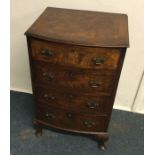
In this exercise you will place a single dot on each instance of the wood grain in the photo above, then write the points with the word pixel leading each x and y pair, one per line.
pixel 81 27
pixel 46 74
pixel 70 120
pixel 88 103
pixel 77 56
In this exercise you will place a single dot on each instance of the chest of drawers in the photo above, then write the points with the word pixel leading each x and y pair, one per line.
pixel 76 59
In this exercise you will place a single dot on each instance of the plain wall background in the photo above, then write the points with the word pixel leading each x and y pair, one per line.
pixel 24 13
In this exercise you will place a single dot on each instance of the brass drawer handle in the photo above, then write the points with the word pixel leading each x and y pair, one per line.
pixel 89 124
pixel 47 52
pixel 92 104
pixel 69 115
pixel 71 96
pixel 49 116
pixel 94 83
pixel 71 74
pixel 48 76
pixel 98 60
pixel 46 96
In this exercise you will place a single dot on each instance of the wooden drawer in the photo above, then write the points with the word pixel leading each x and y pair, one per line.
pixel 76 56
pixel 75 101
pixel 51 76
pixel 71 121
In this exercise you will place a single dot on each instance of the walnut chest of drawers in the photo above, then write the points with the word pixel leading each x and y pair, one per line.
pixel 76 59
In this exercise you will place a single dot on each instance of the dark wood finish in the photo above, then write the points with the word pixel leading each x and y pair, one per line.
pixel 102 138
pixel 81 27
pixel 77 56
pixel 38 128
pixel 48 75
pixel 73 121
pixel 75 69
pixel 78 102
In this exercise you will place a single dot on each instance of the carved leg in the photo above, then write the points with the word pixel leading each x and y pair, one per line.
pixel 38 128
pixel 102 138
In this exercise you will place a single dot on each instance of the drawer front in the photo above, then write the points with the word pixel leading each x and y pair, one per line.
pixel 69 120
pixel 52 76
pixel 77 56
pixel 75 101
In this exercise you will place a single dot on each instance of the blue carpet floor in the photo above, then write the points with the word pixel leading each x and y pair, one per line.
pixel 126 134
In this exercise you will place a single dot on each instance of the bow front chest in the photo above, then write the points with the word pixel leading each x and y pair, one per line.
pixel 76 59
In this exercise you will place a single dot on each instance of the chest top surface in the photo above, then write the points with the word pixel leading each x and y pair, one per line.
pixel 86 28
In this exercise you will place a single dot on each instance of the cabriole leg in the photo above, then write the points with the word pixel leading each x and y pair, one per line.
pixel 38 129
pixel 102 138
